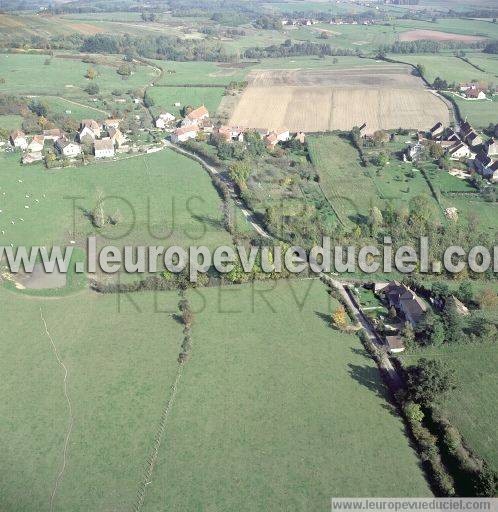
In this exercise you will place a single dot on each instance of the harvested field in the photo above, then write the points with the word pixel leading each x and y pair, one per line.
pixel 435 35
pixel 321 100
pixel 86 28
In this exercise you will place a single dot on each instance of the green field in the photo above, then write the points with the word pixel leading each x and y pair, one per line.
pixel 164 180
pixel 28 74
pixel 480 113
pixel 165 98
pixel 353 189
pixel 447 67
pixel 472 406
pixel 277 411
pixel 120 367
pixel 10 122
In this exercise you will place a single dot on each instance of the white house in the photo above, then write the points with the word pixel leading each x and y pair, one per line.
pixel 283 135
pixel 86 132
pixel 53 134
pixel 103 148
pixel 164 119
pixel 460 151
pixel 491 147
pixel 37 143
pixel 68 148
pixel 18 139
pixel 196 116
pixel 487 167
pixel 111 123
pixel 95 127
pixel 184 133
pixel 118 139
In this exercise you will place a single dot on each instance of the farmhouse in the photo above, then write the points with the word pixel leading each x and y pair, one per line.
pixel 85 131
pixel 31 158
pixel 476 94
pixel 18 139
pixel 487 167
pixel 117 138
pixel 207 126
pixel 414 151
pixel 460 151
pixel 67 148
pixel 473 139
pixel 395 344
pixel 112 123
pixel 103 148
pixel 196 116
pixel 185 133
pixel 436 130
pixel 224 133
pixel 92 125
pixel 164 119
pixel 53 134
pixel 36 145
pixel 403 300
pixel 491 148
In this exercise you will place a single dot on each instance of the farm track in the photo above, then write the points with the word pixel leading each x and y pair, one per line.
pixel 70 411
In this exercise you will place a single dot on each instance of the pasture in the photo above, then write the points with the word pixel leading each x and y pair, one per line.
pixel 481 113
pixel 165 98
pixel 121 364
pixel 162 198
pixel 472 406
pixel 31 74
pixel 386 97
pixel 449 68
pixel 277 410
pixel 351 188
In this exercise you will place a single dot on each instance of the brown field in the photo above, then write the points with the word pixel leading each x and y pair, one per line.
pixel 386 97
pixel 434 35
pixel 85 28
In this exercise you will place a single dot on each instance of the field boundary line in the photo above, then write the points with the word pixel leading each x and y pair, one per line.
pixel 70 410
pixel 152 459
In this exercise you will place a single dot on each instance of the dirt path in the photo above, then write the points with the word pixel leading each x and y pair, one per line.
pixel 212 170
pixel 70 411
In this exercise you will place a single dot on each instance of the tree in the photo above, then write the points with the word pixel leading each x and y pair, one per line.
pixel 148 101
pixel 339 318
pixel 38 108
pixel 124 70
pixel 92 89
pixel 98 215
pixel 465 292
pixel 421 69
pixel 430 330
pixel 91 73
pixel 487 299
pixel 453 322
pixel 375 220
pixel 408 335
pixel 429 381
pixel 239 172
pixel 379 137
pixel 414 412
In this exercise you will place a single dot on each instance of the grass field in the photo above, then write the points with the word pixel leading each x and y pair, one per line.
pixel 353 189
pixel 278 411
pixel 480 113
pixel 10 122
pixel 165 97
pixel 472 406
pixel 28 74
pixel 448 67
pixel 120 369
pixel 164 180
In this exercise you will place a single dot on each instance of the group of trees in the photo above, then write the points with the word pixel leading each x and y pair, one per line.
pixel 426 46
pixel 290 49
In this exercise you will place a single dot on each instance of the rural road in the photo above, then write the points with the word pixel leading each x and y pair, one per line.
pixel 212 170
pixel 385 363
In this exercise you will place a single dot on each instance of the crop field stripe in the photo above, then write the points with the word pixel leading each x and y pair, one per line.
pixel 70 410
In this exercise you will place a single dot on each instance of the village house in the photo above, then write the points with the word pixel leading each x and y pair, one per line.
pixel 67 148
pixel 460 151
pixel 487 167
pixel 54 134
pixel 491 148
pixel 206 125
pixel 476 94
pixel 112 123
pixel 18 139
pixel 37 143
pixel 414 152
pixel 103 148
pixel 95 127
pixel 301 137
pixel 436 130
pixel 184 133
pixel 117 138
pixel 224 133
pixel 196 116
pixel 473 139
pixel 395 344
pixel 404 300
pixel 271 139
pixel 164 119
pixel 30 158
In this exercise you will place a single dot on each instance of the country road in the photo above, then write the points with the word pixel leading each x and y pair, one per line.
pixel 212 170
